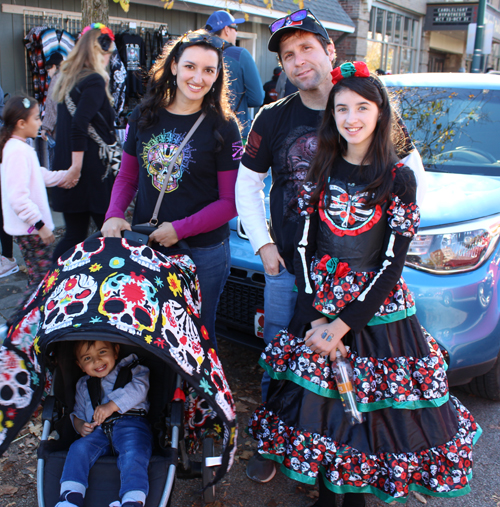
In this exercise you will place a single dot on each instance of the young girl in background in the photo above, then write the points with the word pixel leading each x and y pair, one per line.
pixel 357 219
pixel 25 205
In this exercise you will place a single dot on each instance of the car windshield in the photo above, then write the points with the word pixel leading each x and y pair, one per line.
pixel 455 130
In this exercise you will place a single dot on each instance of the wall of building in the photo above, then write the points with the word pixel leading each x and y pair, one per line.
pixel 13 54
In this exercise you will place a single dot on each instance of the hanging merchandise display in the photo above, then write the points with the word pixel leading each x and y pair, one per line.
pixel 117 82
pixel 33 44
pixel 132 51
pixel 59 41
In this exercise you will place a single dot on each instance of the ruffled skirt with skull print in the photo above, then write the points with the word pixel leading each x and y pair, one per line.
pixel 415 437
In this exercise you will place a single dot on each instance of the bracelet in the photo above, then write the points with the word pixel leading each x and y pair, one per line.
pixel 36 226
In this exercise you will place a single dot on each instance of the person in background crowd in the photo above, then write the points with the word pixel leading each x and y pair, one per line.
pixel 271 95
pixel 8 265
pixel 186 81
pixel 284 86
pixel 245 84
pixel 283 137
pixel 50 115
pixel 380 72
pixel 2 103
pixel 84 81
pixel 25 207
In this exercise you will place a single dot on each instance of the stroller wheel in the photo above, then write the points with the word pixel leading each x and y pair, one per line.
pixel 208 472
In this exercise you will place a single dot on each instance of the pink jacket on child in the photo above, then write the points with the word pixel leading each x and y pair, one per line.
pixel 23 182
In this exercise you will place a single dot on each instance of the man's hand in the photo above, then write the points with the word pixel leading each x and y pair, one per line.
pixel 271 259
pixel 102 412
pixel 113 227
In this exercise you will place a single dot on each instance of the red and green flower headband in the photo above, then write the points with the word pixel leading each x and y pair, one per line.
pixel 350 69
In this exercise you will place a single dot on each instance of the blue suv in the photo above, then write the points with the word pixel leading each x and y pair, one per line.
pixel 452 265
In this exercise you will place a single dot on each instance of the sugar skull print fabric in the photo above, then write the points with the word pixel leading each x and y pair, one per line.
pixel 416 436
pixel 116 286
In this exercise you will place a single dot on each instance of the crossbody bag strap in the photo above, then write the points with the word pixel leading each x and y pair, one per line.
pixel 154 218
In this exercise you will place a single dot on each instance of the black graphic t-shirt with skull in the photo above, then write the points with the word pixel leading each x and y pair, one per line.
pixel 193 183
pixel 283 138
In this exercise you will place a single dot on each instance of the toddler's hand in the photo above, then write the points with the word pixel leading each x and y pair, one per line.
pixel 102 412
pixel 87 428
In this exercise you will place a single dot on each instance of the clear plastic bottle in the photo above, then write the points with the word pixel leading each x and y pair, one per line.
pixel 344 378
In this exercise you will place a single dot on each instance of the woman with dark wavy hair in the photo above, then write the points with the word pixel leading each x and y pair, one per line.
pixel 186 81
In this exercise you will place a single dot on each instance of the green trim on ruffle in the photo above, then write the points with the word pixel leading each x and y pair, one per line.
pixel 392 317
pixel 362 407
pixel 341 490
pixel 377 320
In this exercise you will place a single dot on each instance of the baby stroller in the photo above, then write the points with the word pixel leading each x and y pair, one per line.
pixel 121 291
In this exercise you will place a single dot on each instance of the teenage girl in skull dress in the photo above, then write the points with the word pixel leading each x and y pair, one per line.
pixel 358 216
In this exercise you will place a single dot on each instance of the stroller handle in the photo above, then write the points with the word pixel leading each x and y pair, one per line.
pixel 146 230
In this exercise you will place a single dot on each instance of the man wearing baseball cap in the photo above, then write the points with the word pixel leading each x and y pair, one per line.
pixel 244 79
pixel 283 137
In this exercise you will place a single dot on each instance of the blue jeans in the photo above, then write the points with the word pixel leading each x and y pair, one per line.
pixel 132 440
pixel 279 304
pixel 212 267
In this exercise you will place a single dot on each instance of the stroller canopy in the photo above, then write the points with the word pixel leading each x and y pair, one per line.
pixel 111 284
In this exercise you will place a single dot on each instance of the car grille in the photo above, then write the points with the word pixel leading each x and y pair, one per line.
pixel 241 298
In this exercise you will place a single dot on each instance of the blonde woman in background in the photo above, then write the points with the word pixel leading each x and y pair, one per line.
pixel 83 76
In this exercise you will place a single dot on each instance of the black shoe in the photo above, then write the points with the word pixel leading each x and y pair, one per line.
pixel 327 498
pixel 354 500
pixel 260 469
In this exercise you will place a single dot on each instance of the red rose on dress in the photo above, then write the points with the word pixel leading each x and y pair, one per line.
pixel 323 261
pixel 342 270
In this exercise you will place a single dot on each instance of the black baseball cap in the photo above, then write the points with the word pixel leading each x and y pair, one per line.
pixel 302 19
pixel 54 59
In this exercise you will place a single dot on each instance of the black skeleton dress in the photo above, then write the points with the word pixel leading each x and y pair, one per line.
pixel 415 436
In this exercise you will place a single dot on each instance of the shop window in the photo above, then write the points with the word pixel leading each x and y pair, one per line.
pixel 391 41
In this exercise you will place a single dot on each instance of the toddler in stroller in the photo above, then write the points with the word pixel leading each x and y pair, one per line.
pixel 115 290
pixel 109 413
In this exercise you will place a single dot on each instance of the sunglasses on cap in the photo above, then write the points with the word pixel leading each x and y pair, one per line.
pixel 295 19
pixel 196 37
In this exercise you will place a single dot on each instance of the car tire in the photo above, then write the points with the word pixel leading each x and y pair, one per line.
pixel 487 385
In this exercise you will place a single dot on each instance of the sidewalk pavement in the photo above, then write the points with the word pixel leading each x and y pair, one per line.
pixel 13 286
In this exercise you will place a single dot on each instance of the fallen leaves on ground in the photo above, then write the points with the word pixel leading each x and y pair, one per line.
pixel 246 455
pixel 7 490
pixel 241 407
pixel 419 497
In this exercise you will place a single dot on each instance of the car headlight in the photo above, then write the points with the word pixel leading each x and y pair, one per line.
pixel 454 249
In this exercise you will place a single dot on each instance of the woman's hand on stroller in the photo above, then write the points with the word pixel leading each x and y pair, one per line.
pixel 165 235
pixel 325 339
pixel 102 412
pixel 113 227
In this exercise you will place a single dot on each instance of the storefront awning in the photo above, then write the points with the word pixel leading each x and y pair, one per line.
pixel 329 12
